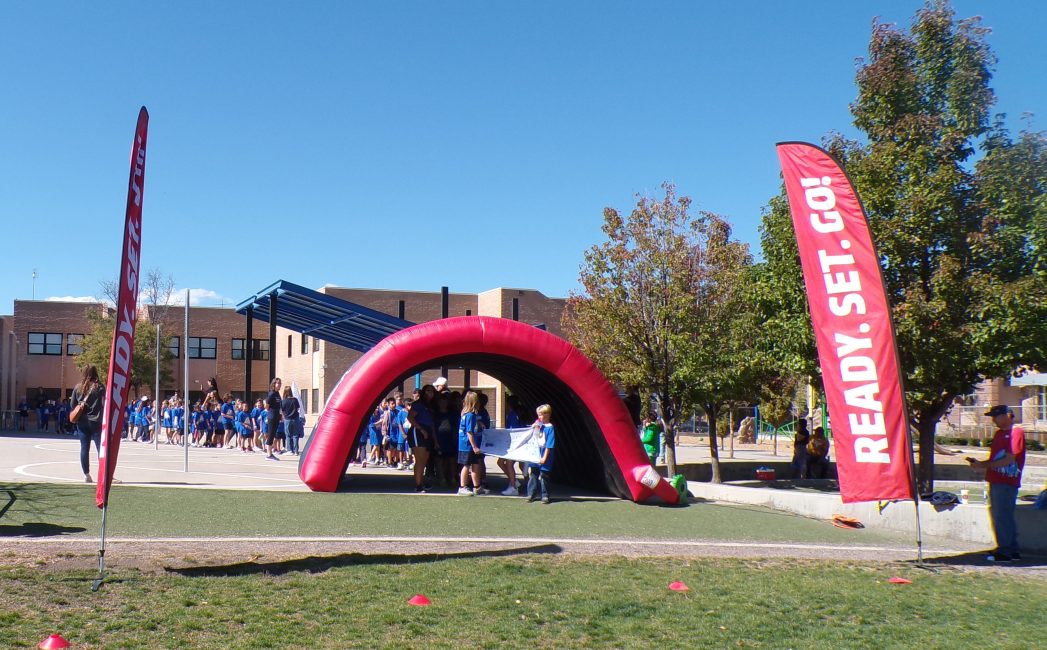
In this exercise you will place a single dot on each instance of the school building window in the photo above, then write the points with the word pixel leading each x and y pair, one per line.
pixel 259 349
pixel 45 343
pixel 288 346
pixel 74 344
pixel 316 399
pixel 305 344
pixel 202 348
pixel 305 402
pixel 174 346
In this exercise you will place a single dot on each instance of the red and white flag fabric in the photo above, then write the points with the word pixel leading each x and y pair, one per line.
pixel 121 353
pixel 852 327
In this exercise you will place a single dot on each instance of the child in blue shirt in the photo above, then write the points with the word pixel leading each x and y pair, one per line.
pixel 469 439
pixel 244 427
pixel 546 441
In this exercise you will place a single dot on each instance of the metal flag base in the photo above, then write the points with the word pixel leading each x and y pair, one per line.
pixel 97 584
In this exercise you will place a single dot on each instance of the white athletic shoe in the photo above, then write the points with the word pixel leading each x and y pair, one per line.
pixel 509 492
pixel 465 492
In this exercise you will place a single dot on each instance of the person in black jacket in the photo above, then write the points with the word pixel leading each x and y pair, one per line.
pixel 289 410
pixel 90 393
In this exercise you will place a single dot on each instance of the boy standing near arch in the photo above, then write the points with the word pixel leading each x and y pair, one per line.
pixel 546 441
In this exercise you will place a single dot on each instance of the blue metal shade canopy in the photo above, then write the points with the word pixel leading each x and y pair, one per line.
pixel 325 317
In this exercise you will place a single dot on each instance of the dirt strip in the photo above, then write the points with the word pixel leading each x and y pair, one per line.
pixel 239 556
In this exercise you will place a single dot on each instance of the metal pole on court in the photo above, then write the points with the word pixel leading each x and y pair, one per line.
pixel 156 395
pixel 185 391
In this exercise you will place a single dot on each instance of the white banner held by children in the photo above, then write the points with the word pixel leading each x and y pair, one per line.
pixel 512 444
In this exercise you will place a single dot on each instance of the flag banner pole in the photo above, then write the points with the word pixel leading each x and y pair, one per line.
pixel 852 326
pixel 121 352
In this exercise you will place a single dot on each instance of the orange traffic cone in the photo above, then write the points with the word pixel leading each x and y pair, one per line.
pixel 420 600
pixel 53 642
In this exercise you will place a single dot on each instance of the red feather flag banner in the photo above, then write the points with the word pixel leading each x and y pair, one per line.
pixel 852 327
pixel 121 353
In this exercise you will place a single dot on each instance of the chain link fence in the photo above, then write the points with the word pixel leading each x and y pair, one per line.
pixel 971 423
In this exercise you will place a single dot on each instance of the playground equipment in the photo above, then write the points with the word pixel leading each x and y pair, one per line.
pixel 597 446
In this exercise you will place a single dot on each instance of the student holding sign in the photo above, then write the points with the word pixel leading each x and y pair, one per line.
pixel 547 441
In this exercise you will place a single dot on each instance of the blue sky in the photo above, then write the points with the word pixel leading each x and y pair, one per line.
pixel 414 144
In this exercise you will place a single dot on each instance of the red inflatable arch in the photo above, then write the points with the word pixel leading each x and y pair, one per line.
pixel 596 443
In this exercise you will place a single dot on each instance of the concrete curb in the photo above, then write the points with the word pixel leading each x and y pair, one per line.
pixel 969 523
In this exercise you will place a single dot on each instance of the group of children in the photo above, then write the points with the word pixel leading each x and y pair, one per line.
pixel 49 415
pixel 438 434
pixel 226 423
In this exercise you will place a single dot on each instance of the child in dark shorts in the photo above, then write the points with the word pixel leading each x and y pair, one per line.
pixel 469 439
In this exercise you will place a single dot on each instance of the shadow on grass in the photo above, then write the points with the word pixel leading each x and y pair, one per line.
pixel 320 564
pixel 978 559
pixel 828 486
pixel 38 529
pixel 37 499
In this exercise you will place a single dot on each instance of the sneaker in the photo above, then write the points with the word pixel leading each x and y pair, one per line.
pixel 465 492
pixel 427 488
pixel 419 488
pixel 271 457
pixel 997 556
pixel 509 492
pixel 546 501
pixel 88 479
pixel 482 490
pixel 364 464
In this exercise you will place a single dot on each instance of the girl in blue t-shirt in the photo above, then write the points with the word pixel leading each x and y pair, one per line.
pixel 469 438
pixel 244 427
pixel 178 420
pixel 144 420
pixel 165 420
pixel 374 437
pixel 256 419
pixel 227 420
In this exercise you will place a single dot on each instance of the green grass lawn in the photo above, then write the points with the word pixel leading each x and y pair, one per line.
pixel 36 509
pixel 526 601
pixel 482 599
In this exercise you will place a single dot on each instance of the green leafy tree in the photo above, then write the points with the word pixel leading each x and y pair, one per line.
pixel 98 341
pixel 960 242
pixel 660 307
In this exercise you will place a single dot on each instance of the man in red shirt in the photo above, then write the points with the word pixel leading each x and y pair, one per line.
pixel 1003 473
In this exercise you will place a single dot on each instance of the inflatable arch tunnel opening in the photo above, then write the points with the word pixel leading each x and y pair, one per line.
pixel 597 446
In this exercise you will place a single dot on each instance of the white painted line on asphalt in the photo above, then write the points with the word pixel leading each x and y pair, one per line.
pixel 292 482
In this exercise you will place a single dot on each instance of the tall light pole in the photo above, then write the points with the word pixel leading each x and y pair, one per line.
pixel 34 284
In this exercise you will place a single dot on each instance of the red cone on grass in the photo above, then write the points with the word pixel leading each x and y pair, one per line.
pixel 899 581
pixel 419 600
pixel 678 586
pixel 53 642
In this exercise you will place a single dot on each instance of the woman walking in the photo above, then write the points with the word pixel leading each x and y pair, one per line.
pixel 272 404
pixel 90 393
